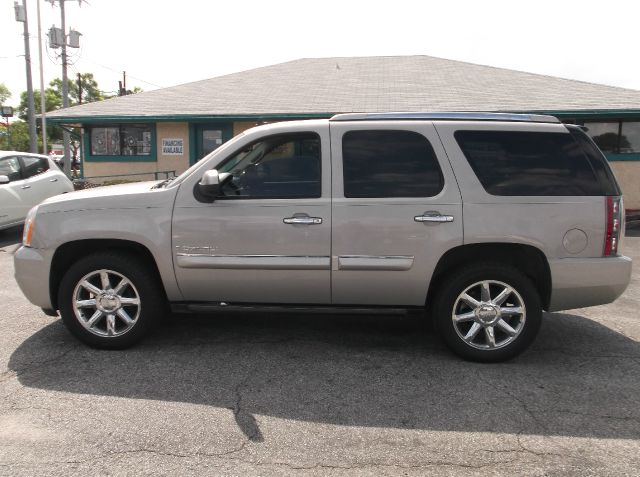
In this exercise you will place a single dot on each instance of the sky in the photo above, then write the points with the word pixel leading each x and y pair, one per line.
pixel 165 43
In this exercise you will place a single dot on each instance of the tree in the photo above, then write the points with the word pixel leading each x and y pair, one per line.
pixel 88 85
pixel 53 100
pixel 4 93
pixel 16 137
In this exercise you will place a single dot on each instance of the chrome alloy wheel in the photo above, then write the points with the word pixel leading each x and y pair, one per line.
pixel 106 303
pixel 484 322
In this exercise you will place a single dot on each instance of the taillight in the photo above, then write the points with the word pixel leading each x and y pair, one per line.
pixel 613 226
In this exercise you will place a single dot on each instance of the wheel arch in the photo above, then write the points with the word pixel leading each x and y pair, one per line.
pixel 70 252
pixel 528 259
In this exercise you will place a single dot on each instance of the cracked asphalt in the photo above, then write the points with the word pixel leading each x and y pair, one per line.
pixel 317 395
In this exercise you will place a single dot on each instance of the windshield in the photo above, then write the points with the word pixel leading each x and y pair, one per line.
pixel 188 172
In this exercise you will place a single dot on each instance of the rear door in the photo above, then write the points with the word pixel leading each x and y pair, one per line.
pixel 396 209
pixel 40 181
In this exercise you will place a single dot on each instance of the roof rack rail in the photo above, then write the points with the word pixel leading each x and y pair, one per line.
pixel 449 116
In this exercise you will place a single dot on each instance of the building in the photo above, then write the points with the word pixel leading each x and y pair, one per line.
pixel 171 128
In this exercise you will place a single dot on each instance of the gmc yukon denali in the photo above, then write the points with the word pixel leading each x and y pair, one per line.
pixel 482 220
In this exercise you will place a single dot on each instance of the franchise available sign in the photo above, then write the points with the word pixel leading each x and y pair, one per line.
pixel 172 147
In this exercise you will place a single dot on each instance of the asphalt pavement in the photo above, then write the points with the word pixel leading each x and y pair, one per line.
pixel 317 395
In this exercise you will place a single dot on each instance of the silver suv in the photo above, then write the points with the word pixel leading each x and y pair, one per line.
pixel 484 220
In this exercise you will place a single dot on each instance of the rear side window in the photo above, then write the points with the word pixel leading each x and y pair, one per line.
pixel 516 163
pixel 34 165
pixel 389 164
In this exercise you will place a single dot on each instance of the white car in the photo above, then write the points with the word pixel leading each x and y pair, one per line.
pixel 26 180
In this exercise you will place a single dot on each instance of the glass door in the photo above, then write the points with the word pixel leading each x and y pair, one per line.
pixel 211 136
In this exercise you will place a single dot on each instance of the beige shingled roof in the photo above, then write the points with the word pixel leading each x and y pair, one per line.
pixel 365 84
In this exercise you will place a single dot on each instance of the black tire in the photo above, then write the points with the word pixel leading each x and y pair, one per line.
pixel 146 287
pixel 446 298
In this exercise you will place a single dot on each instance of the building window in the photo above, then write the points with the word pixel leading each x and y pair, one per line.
pixel 615 137
pixel 121 140
pixel 630 137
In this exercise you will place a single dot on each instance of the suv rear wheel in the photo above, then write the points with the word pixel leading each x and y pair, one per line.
pixel 110 300
pixel 488 312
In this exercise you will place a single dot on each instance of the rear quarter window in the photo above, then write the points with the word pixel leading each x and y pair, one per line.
pixel 517 163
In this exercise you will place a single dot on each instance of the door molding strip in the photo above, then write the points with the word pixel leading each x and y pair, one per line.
pixel 375 262
pixel 255 262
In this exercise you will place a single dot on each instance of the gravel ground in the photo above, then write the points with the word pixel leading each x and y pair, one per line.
pixel 316 395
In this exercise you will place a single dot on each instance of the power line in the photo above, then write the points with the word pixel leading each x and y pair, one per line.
pixel 119 71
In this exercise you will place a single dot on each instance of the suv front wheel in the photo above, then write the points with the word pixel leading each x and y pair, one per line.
pixel 488 312
pixel 110 300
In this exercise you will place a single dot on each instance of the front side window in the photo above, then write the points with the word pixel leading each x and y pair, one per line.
pixel 515 163
pixel 389 164
pixel 121 140
pixel 276 167
pixel 34 165
pixel 10 167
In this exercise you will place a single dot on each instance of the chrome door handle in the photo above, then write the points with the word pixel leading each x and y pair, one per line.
pixel 302 220
pixel 55 179
pixel 26 186
pixel 433 217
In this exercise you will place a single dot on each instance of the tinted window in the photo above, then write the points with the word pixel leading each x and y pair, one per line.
pixel 34 165
pixel 598 162
pixel 277 167
pixel 529 163
pixel 389 164
pixel 10 167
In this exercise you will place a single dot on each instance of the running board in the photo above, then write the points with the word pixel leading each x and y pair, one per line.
pixel 308 309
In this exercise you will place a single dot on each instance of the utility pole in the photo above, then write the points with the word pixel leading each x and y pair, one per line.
pixel 79 82
pixel 66 138
pixel 43 107
pixel 21 16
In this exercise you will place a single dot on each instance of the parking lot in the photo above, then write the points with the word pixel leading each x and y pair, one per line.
pixel 316 395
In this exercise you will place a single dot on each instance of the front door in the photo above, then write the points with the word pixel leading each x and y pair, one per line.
pixel 396 210
pixel 267 238
pixel 211 136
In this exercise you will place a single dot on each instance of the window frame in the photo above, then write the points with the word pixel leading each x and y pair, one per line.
pixel 232 154
pixel 431 147
pixel 87 144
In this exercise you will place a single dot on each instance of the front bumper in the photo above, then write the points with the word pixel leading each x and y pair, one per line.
pixel 582 282
pixel 32 267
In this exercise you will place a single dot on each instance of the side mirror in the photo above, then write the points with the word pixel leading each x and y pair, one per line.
pixel 209 186
pixel 4 180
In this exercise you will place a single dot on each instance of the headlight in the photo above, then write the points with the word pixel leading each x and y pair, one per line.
pixel 29 224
